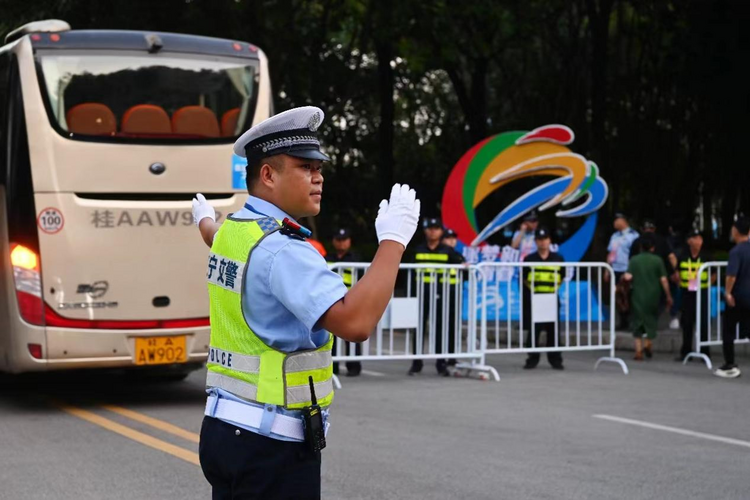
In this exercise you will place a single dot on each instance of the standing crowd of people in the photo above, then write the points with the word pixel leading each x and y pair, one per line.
pixel 651 272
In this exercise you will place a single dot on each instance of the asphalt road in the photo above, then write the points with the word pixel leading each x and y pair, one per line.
pixel 664 431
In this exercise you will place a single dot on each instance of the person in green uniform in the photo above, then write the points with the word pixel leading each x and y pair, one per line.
pixel 648 275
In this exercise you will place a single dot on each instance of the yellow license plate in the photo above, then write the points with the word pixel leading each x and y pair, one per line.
pixel 160 350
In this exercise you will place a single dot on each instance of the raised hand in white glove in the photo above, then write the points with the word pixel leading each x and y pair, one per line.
pixel 398 217
pixel 201 209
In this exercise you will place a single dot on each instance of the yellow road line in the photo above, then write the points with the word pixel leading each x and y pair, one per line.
pixel 154 422
pixel 140 437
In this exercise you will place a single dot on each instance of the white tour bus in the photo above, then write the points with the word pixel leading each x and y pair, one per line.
pixel 105 137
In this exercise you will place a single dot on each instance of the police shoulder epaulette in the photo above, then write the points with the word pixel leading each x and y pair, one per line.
pixel 294 230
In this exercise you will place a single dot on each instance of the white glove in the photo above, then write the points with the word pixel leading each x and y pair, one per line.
pixel 201 209
pixel 398 218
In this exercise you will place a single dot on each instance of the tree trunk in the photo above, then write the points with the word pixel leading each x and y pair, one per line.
pixel 599 12
pixel 384 51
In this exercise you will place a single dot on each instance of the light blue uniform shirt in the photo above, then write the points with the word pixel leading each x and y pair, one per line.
pixel 527 245
pixel 619 249
pixel 288 287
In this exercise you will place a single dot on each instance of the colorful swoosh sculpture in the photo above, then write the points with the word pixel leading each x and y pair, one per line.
pixel 578 189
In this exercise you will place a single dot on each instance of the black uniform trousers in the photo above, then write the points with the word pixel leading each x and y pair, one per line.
pixel 248 466
pixel 554 357
pixel 352 367
pixel 687 320
pixel 623 315
pixel 733 316
pixel 440 303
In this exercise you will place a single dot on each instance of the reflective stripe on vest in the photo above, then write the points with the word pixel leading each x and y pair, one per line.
pixel 425 275
pixel 689 271
pixel 347 277
pixel 431 257
pixel 239 361
pixel 545 279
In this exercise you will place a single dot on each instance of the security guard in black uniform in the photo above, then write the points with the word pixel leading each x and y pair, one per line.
pixel 686 265
pixel 541 279
pixel 342 244
pixel 434 251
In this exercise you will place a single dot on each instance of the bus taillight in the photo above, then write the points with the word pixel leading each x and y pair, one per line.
pixel 22 257
pixel 28 281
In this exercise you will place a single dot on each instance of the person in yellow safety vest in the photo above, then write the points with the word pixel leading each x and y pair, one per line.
pixel 686 266
pixel 538 280
pixel 431 283
pixel 274 306
pixel 342 244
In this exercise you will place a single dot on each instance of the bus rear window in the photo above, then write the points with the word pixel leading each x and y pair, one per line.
pixel 143 97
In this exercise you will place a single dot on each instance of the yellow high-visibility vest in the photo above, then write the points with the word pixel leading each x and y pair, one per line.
pixel 545 279
pixel 425 275
pixel 239 361
pixel 689 271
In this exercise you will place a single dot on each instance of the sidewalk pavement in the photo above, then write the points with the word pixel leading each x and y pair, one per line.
pixel 669 341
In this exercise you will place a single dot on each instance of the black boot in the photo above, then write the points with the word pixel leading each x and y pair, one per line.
pixel 416 367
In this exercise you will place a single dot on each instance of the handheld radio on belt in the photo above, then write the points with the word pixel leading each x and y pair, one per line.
pixel 314 429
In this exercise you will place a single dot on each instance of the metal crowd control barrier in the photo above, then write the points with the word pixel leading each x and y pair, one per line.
pixel 715 296
pixel 573 316
pixel 423 319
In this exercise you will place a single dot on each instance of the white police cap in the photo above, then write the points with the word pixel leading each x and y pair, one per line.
pixel 293 132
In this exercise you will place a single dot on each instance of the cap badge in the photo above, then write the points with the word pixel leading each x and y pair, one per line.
pixel 314 121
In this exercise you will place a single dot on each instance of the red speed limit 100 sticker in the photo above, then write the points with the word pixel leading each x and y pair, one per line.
pixel 50 220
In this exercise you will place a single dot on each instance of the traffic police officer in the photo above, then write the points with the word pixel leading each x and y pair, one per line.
pixel 433 251
pixel 686 266
pixel 342 244
pixel 540 280
pixel 273 303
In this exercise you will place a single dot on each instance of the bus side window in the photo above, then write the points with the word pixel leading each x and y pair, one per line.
pixel 19 189
pixel 4 58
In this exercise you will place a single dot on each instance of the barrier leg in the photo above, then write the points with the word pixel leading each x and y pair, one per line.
pixel 698 355
pixel 484 370
pixel 336 382
pixel 612 359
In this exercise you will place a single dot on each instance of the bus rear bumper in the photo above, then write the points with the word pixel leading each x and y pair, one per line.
pixel 72 348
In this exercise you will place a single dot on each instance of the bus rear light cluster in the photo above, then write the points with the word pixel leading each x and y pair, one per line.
pixel 28 281
pixel 27 275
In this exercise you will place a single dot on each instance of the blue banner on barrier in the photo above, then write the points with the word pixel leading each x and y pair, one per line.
pixel 503 301
pixel 717 300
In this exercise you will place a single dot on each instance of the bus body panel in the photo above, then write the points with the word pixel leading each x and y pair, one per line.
pixel 112 259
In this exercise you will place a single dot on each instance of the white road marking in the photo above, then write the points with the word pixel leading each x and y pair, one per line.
pixel 372 373
pixel 676 430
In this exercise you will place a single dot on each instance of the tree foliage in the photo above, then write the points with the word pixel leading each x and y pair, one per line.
pixel 653 88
